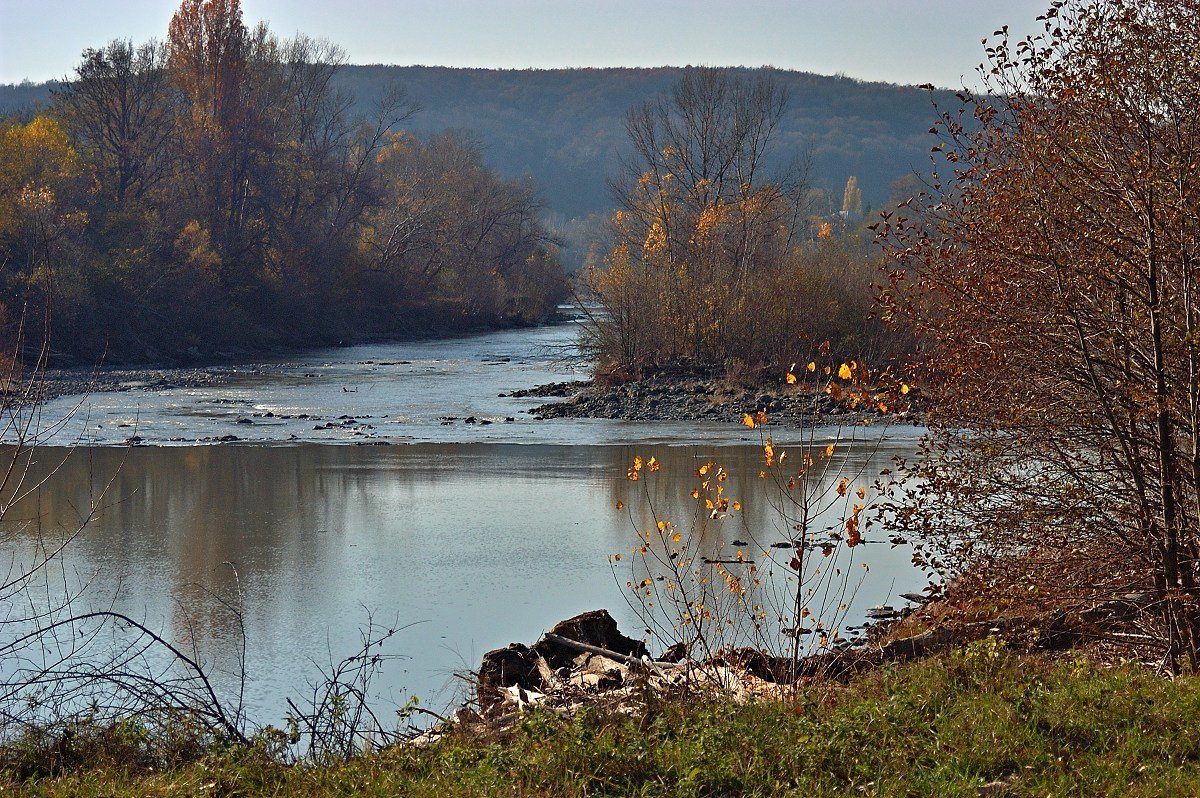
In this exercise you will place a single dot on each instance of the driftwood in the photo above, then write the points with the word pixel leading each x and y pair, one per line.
pixel 632 662
pixel 537 667
pixel 561 658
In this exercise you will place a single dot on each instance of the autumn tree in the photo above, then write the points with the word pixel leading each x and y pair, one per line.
pixel 701 215
pixel 450 227
pixel 211 56
pixel 713 267
pixel 1051 271
pixel 220 191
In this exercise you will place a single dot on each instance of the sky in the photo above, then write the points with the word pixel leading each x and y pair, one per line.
pixel 918 41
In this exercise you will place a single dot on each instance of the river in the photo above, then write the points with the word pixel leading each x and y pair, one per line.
pixel 469 535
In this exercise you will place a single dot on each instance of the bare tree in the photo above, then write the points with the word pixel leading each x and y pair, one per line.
pixel 119 112
pixel 702 217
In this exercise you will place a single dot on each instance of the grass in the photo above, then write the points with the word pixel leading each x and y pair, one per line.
pixel 945 726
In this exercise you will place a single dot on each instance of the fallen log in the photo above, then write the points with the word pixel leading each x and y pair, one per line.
pixel 633 662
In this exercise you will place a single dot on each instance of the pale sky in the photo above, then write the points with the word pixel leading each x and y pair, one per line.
pixel 919 41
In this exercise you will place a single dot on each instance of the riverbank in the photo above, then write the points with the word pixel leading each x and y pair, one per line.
pixel 980 721
pixel 1016 703
pixel 216 369
pixel 674 397
pixel 57 383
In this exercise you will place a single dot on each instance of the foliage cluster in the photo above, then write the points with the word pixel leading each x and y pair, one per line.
pixel 217 191
pixel 945 726
pixel 1051 272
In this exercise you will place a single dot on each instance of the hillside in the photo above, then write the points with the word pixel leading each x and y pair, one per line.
pixel 565 128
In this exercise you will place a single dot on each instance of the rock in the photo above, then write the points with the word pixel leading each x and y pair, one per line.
pixel 596 628
pixel 503 668
pixel 534 669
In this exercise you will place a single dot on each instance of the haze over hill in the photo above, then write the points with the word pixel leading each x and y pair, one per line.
pixel 565 128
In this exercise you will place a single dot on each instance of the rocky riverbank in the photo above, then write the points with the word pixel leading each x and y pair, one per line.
pixel 55 383
pixel 691 398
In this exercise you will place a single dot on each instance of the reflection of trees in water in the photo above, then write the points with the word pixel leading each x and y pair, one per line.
pixel 313 530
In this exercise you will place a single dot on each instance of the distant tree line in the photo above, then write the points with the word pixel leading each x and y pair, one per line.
pixel 219 192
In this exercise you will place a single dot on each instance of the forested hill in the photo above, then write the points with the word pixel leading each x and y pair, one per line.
pixel 565 128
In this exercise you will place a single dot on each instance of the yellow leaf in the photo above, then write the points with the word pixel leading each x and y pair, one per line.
pixel 662 525
pixel 829 450
pixel 844 372
pixel 652 465
pixel 861 493
pixel 737 506
pixel 791 378
pixel 812 366
pixel 749 421
pixel 904 389
pixel 637 463
pixel 695 494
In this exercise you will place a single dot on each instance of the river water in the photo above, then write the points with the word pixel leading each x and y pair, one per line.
pixel 469 535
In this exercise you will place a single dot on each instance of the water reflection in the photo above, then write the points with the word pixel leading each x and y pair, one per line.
pixel 482 544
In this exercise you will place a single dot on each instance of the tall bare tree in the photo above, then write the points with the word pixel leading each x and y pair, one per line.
pixel 120 114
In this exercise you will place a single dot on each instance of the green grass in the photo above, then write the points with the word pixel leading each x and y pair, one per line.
pixel 945 726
